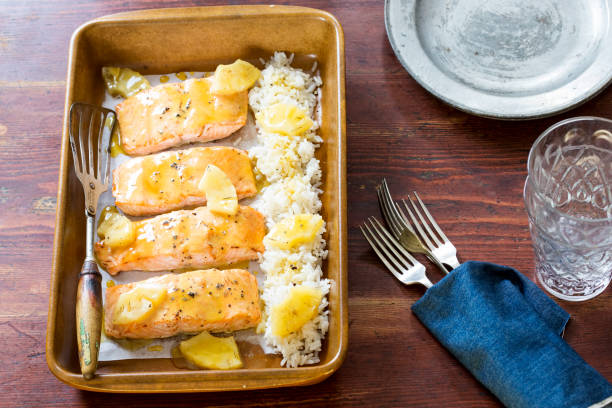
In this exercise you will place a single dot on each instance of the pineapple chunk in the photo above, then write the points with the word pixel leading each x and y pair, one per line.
pixel 115 229
pixel 288 120
pixel 123 81
pixel 115 146
pixel 207 351
pixel 220 192
pixel 234 78
pixel 138 304
pixel 294 231
pixel 301 306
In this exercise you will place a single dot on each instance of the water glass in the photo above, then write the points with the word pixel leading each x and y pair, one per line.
pixel 568 196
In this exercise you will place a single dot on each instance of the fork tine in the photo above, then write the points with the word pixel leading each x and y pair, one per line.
pixel 425 223
pixel 378 227
pixel 81 148
pixel 90 144
pixel 107 172
pixel 402 262
pixel 108 156
pixel 71 131
pixel 384 248
pixel 386 195
pixel 398 216
pixel 433 222
pixel 417 224
pixel 385 210
pixel 402 217
pixel 386 215
pixel 99 149
pixel 390 212
pixel 381 256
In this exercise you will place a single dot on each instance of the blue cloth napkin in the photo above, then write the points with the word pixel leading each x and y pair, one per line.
pixel 506 331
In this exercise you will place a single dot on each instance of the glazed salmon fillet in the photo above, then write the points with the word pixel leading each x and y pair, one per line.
pixel 187 239
pixel 168 181
pixel 212 300
pixel 169 115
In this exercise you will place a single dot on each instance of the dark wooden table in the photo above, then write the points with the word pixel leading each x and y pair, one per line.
pixel 469 170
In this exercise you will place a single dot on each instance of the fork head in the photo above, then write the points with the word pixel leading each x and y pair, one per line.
pixel 90 128
pixel 404 232
pixel 429 231
pixel 389 210
pixel 397 260
pixel 398 224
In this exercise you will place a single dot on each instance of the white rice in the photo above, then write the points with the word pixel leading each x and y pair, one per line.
pixel 294 174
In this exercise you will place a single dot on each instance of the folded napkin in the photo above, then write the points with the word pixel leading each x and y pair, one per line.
pixel 507 332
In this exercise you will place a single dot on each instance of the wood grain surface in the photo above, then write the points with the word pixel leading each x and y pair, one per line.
pixel 469 170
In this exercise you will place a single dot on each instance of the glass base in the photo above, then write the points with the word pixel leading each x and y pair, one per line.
pixel 572 298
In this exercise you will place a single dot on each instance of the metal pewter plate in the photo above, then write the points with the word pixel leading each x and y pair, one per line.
pixel 507 59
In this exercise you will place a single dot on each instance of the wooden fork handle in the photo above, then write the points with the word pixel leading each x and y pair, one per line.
pixel 89 317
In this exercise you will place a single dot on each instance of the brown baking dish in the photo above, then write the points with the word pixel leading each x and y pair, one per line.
pixel 197 39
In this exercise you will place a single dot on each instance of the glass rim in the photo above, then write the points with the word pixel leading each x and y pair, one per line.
pixel 531 159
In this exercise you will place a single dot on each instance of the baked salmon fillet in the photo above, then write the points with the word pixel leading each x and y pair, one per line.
pixel 169 115
pixel 187 239
pixel 212 300
pixel 168 181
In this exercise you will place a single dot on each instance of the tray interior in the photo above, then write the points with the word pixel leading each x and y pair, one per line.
pixel 198 39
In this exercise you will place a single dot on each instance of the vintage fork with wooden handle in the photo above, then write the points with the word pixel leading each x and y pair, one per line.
pixel 90 128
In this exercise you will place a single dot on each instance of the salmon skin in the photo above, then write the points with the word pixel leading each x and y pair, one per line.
pixel 168 181
pixel 212 300
pixel 187 239
pixel 169 115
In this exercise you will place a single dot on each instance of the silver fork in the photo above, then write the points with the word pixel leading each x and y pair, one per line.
pixel 397 259
pixel 401 228
pixel 439 245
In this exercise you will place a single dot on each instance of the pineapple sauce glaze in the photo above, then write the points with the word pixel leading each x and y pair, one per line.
pixel 195 235
pixel 170 180
pixel 163 116
pixel 250 344
pixel 191 302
